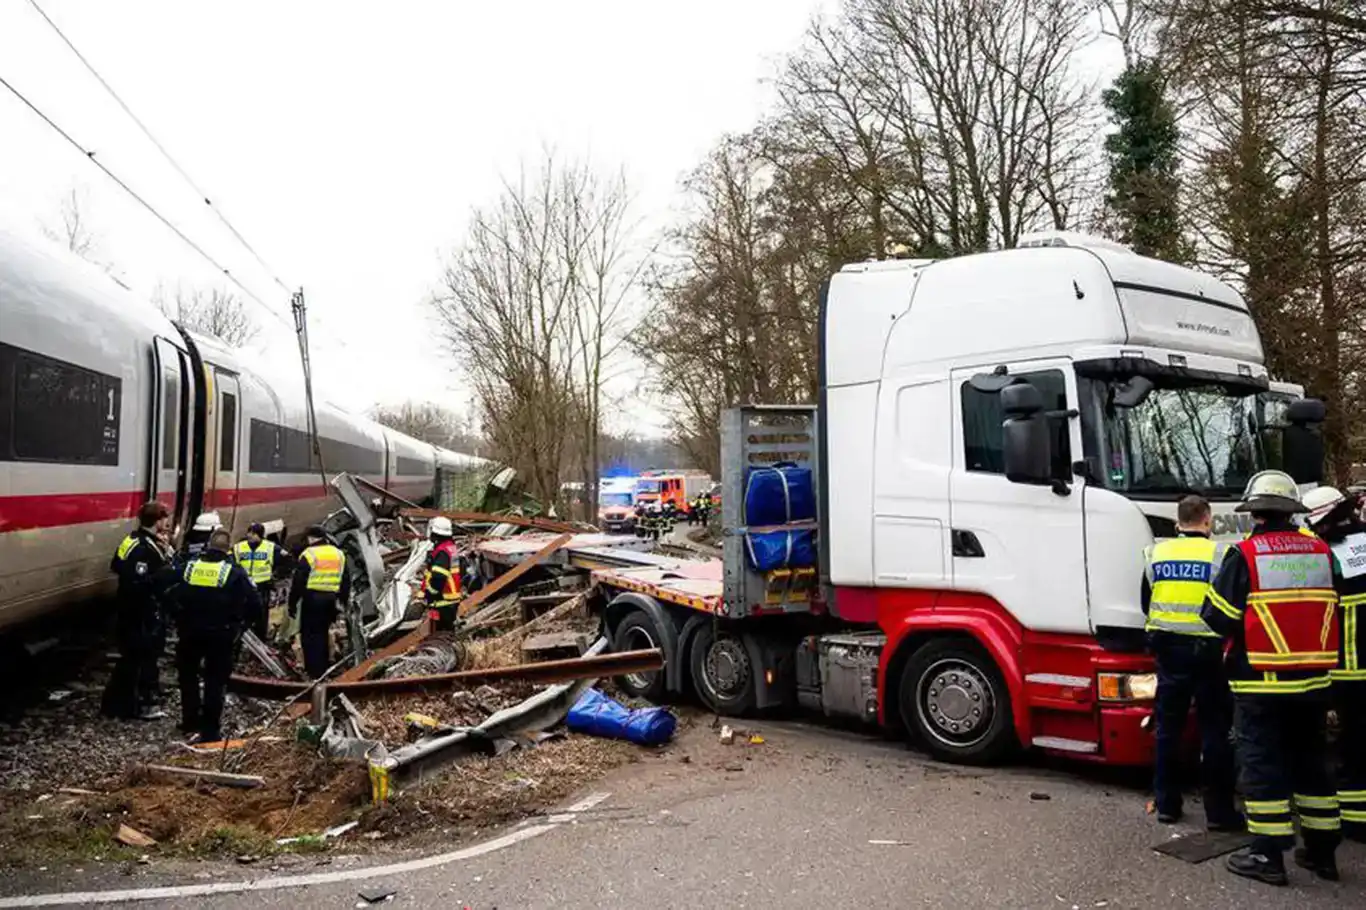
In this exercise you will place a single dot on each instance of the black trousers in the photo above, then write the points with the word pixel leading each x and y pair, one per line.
pixel 1349 698
pixel 260 623
pixel 1190 668
pixel 127 692
pixel 317 612
pixel 1283 752
pixel 203 656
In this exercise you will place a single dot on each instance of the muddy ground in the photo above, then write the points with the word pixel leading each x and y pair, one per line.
pixel 69 779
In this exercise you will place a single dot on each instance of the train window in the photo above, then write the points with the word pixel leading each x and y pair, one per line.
pixel 227 433
pixel 55 411
pixel 170 419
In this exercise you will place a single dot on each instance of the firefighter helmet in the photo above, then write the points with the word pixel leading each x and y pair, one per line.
pixel 1321 502
pixel 440 526
pixel 1272 491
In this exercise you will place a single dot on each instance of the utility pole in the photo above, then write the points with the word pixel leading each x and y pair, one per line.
pixel 300 310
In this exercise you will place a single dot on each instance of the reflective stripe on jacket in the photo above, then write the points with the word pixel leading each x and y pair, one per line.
pixel 325 566
pixel 1291 619
pixel 1179 572
pixel 259 563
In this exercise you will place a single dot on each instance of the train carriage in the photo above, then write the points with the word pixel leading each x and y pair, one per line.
pixel 105 403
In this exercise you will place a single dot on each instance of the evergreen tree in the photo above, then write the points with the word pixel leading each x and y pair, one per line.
pixel 1145 188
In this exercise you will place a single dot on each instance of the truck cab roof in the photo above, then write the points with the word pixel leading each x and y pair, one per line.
pixel 1060 295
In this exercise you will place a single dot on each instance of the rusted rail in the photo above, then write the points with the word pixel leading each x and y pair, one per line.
pixel 614 664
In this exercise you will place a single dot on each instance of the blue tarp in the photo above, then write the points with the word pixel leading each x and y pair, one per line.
pixel 781 550
pixel 778 494
pixel 598 715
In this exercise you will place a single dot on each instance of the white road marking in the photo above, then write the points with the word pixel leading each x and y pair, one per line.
pixel 66 898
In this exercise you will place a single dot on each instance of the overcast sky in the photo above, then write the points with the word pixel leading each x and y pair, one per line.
pixel 348 141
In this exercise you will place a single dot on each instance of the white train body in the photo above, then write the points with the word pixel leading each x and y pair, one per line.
pixel 105 403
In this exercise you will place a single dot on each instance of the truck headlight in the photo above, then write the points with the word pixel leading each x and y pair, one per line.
pixel 1127 686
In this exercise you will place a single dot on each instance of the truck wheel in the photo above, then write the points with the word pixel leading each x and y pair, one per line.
pixel 637 632
pixel 954 699
pixel 722 672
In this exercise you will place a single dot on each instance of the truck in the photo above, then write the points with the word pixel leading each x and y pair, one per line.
pixel 677 488
pixel 996 440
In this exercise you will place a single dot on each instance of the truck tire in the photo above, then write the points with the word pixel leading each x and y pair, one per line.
pixel 637 632
pixel 722 671
pixel 954 699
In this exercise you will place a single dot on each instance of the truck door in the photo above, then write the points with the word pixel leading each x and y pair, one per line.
pixel 227 452
pixel 172 426
pixel 1022 545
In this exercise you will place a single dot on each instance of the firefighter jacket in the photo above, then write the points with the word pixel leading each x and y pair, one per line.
pixel 1348 543
pixel 215 594
pixel 1176 581
pixel 257 561
pixel 320 578
pixel 1273 597
pixel 442 582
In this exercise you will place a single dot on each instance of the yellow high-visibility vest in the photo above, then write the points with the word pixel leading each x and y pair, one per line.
pixel 201 573
pixel 1179 572
pixel 325 566
pixel 126 546
pixel 259 563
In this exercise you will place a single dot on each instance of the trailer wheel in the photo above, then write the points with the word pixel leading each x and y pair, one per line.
pixel 637 632
pixel 953 697
pixel 722 672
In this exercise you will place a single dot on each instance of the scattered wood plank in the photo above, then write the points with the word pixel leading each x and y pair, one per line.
pixel 243 781
pixel 467 606
pixel 132 837
pixel 556 644
pixel 487 518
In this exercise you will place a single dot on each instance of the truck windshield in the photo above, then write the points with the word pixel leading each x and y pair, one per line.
pixel 1181 438
pixel 616 499
pixel 647 486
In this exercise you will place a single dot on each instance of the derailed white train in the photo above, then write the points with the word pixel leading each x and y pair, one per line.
pixel 105 403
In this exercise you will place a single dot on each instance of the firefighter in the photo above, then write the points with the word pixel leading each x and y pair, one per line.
pixel 1273 598
pixel 142 564
pixel 1189 658
pixel 215 599
pixel 197 538
pixel 256 556
pixel 320 581
pixel 639 524
pixel 1333 517
pixel 441 586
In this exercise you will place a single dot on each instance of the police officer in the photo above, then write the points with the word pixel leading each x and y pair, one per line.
pixel 1273 598
pixel 1189 658
pixel 441 586
pixel 256 556
pixel 320 580
pixel 1333 517
pixel 141 563
pixel 214 600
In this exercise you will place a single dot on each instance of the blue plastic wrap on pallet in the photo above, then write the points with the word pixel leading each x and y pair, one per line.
pixel 598 715
pixel 771 550
pixel 779 494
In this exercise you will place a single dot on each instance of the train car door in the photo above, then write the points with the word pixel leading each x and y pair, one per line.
pixel 172 426
pixel 227 456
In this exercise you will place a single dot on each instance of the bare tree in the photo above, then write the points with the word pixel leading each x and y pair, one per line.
pixel 531 304
pixel 214 312
pixel 72 228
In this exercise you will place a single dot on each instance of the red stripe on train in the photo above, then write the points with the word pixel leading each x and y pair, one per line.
pixel 54 510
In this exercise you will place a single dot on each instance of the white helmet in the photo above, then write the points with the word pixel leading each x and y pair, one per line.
pixel 1271 491
pixel 440 526
pixel 208 521
pixel 1321 501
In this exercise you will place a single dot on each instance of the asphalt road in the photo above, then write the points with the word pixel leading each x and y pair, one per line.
pixel 810 818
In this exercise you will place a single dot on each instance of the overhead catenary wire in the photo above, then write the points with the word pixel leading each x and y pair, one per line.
pixel 90 154
pixel 162 149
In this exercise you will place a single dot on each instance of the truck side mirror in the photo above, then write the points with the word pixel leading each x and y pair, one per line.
pixel 1024 436
pixel 1302 440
